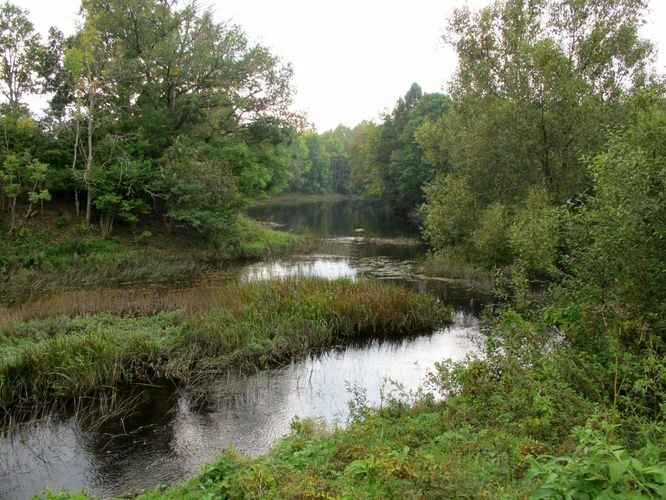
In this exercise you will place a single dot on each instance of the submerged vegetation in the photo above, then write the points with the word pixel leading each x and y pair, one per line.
pixel 239 326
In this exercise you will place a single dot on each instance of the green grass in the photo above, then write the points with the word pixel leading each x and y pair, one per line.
pixel 42 260
pixel 241 326
pixel 451 266
pixel 426 452
pixel 251 240
pixel 299 198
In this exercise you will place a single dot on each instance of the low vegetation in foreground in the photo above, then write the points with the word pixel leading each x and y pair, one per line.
pixel 515 424
pixel 536 418
pixel 241 326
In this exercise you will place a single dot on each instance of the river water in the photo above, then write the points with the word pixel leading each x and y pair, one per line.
pixel 170 432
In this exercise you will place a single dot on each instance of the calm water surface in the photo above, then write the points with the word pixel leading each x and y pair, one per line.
pixel 171 432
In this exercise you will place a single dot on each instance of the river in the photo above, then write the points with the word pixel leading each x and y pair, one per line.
pixel 170 432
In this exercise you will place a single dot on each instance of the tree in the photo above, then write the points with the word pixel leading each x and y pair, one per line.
pixel 617 269
pixel 148 74
pixel 23 175
pixel 398 169
pixel 88 63
pixel 538 85
pixel 362 158
pixel 186 168
pixel 318 178
pixel 338 160
pixel 19 53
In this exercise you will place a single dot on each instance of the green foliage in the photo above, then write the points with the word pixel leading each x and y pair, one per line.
pixel 244 238
pixel 184 168
pixel 116 191
pixel 249 326
pixel 387 161
pixel 535 235
pixel 382 161
pixel 157 109
pixel 619 250
pixel 22 176
pixel 450 211
pixel 598 469
pixel 538 86
pixel 19 49
pixel 490 239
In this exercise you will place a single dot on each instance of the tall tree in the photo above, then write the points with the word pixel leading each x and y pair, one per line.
pixel 19 53
pixel 537 83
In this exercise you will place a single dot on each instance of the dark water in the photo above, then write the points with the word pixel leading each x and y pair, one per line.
pixel 333 219
pixel 171 432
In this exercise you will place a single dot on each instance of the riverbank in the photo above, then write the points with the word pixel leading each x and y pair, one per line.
pixel 40 259
pixel 528 422
pixel 243 326
pixel 305 198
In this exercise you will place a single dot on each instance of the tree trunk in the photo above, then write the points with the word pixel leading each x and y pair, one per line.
pixel 76 150
pixel 89 155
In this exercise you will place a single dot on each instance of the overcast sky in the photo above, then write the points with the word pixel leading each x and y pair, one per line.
pixel 352 59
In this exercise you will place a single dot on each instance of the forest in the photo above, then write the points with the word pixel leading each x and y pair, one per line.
pixel 542 164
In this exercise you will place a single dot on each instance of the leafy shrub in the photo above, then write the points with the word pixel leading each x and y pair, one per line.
pixel 449 211
pixel 490 239
pixel 598 469
pixel 535 233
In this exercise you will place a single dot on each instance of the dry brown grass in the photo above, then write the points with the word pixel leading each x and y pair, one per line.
pixel 122 301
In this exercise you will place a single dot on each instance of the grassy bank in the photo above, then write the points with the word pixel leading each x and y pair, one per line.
pixel 449 266
pixel 530 422
pixel 242 326
pixel 505 432
pixel 299 198
pixel 39 259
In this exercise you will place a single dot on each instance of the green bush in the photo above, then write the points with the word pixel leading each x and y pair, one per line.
pixel 534 235
pixel 598 469
pixel 450 211
pixel 490 239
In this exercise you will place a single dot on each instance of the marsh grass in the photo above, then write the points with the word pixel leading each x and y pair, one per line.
pixel 121 301
pixel 244 326
pixel 41 265
pixel 454 268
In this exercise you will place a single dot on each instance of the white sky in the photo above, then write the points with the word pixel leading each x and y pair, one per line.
pixel 352 59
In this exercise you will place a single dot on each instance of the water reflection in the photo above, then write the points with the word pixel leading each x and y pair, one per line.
pixel 171 434
pixel 340 218
pixel 331 268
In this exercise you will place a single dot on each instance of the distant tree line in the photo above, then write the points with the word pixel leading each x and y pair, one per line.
pixel 381 161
